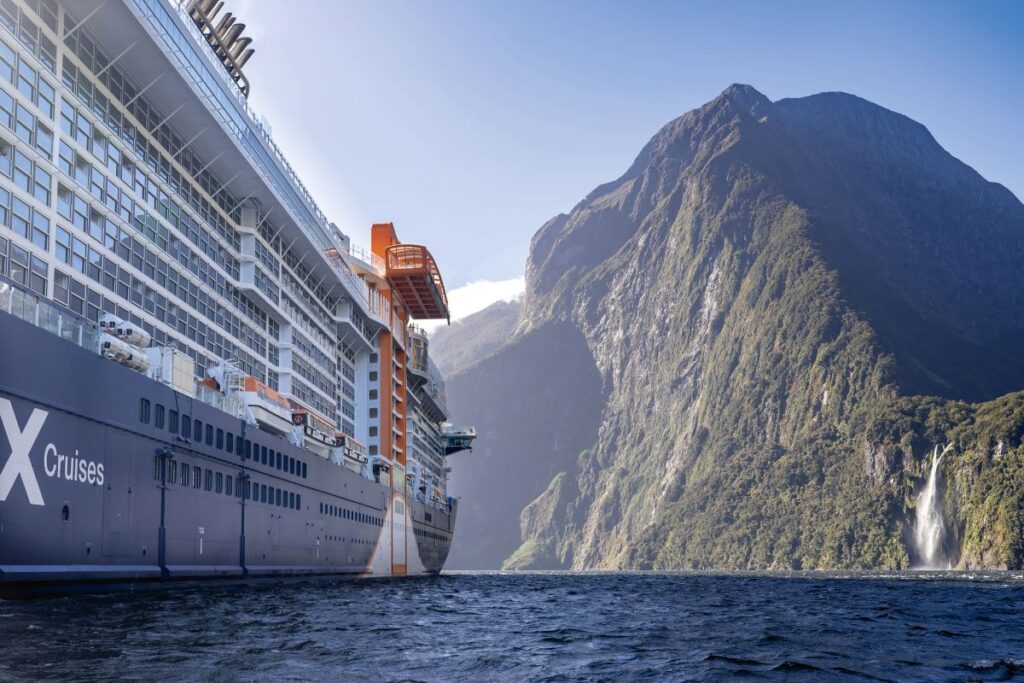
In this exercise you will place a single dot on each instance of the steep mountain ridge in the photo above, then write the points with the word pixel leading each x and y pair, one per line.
pixel 764 295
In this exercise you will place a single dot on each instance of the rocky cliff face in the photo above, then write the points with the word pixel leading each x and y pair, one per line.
pixel 780 309
pixel 464 342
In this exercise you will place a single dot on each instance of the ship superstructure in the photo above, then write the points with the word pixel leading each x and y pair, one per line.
pixel 149 219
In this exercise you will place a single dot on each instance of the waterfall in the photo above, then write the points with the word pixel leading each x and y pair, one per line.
pixel 930 534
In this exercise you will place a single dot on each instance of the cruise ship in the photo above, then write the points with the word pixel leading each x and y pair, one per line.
pixel 201 376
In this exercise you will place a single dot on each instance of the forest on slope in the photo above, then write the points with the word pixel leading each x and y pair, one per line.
pixel 743 353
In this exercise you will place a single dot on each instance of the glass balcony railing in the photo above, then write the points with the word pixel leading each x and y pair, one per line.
pixel 44 313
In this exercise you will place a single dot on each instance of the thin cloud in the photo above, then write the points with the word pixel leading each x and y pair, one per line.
pixel 476 296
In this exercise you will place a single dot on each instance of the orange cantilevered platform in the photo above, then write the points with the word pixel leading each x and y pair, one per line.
pixel 414 276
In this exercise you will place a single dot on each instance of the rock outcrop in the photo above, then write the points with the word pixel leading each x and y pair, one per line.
pixel 740 353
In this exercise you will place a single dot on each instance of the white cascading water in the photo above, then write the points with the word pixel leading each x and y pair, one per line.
pixel 931 528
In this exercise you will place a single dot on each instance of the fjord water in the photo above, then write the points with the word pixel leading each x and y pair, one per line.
pixel 533 626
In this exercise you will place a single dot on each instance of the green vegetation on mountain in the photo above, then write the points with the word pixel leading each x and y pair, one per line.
pixel 782 309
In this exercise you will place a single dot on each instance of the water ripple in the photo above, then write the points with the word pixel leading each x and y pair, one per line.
pixel 542 626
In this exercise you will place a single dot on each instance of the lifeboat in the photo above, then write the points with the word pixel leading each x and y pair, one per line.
pixel 317 430
pixel 353 453
pixel 271 410
pixel 123 352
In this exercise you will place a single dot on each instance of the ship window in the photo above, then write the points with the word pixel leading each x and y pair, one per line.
pixel 298 501
pixel 197 429
pixel 291 465
pixel 373 413
pixel 144 411
pixel 231 443
pixel 172 421
pixel 156 467
pixel 220 438
pixel 373 394
pixel 172 473
pixel 158 417
pixel 228 484
pixel 373 450
pixel 239 442
pixel 209 435
pixel 263 493
pixel 277 457
pixel 303 470
pixel 248 449
pixel 321 508
pixel 197 477
pixel 373 431
pixel 219 485
pixel 209 480
pixel 184 474
pixel 277 496
pixel 373 375
pixel 373 358
pixel 291 501
pixel 186 427
pixel 284 464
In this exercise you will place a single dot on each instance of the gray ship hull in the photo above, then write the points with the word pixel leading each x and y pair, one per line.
pixel 92 491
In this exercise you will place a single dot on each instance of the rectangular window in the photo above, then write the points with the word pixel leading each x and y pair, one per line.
pixel 263 493
pixel 219 483
pixel 277 459
pixel 185 474
pixel 158 417
pixel 220 438
pixel 278 498
pixel 209 480
pixel 209 435
pixel 144 411
pixel 298 501
pixel 197 477
pixel 228 485
pixel 230 445
pixel 157 467
pixel 186 427
pixel 172 421
pixel 248 449
pixel 303 470
pixel 172 473
pixel 263 454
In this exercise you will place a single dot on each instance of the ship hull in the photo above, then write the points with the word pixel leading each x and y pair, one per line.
pixel 92 490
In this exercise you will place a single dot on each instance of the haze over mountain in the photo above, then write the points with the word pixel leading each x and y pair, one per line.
pixel 741 353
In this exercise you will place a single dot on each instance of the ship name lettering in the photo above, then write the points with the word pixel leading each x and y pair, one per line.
pixel 73 468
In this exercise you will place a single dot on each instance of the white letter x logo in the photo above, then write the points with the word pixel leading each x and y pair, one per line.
pixel 18 465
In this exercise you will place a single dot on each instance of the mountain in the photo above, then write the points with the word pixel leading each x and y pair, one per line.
pixel 466 341
pixel 744 351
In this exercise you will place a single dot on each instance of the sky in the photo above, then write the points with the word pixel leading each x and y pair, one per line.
pixel 469 124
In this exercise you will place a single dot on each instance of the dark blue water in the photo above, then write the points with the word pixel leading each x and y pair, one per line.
pixel 555 627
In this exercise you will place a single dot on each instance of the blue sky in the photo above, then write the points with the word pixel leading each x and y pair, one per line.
pixel 471 123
